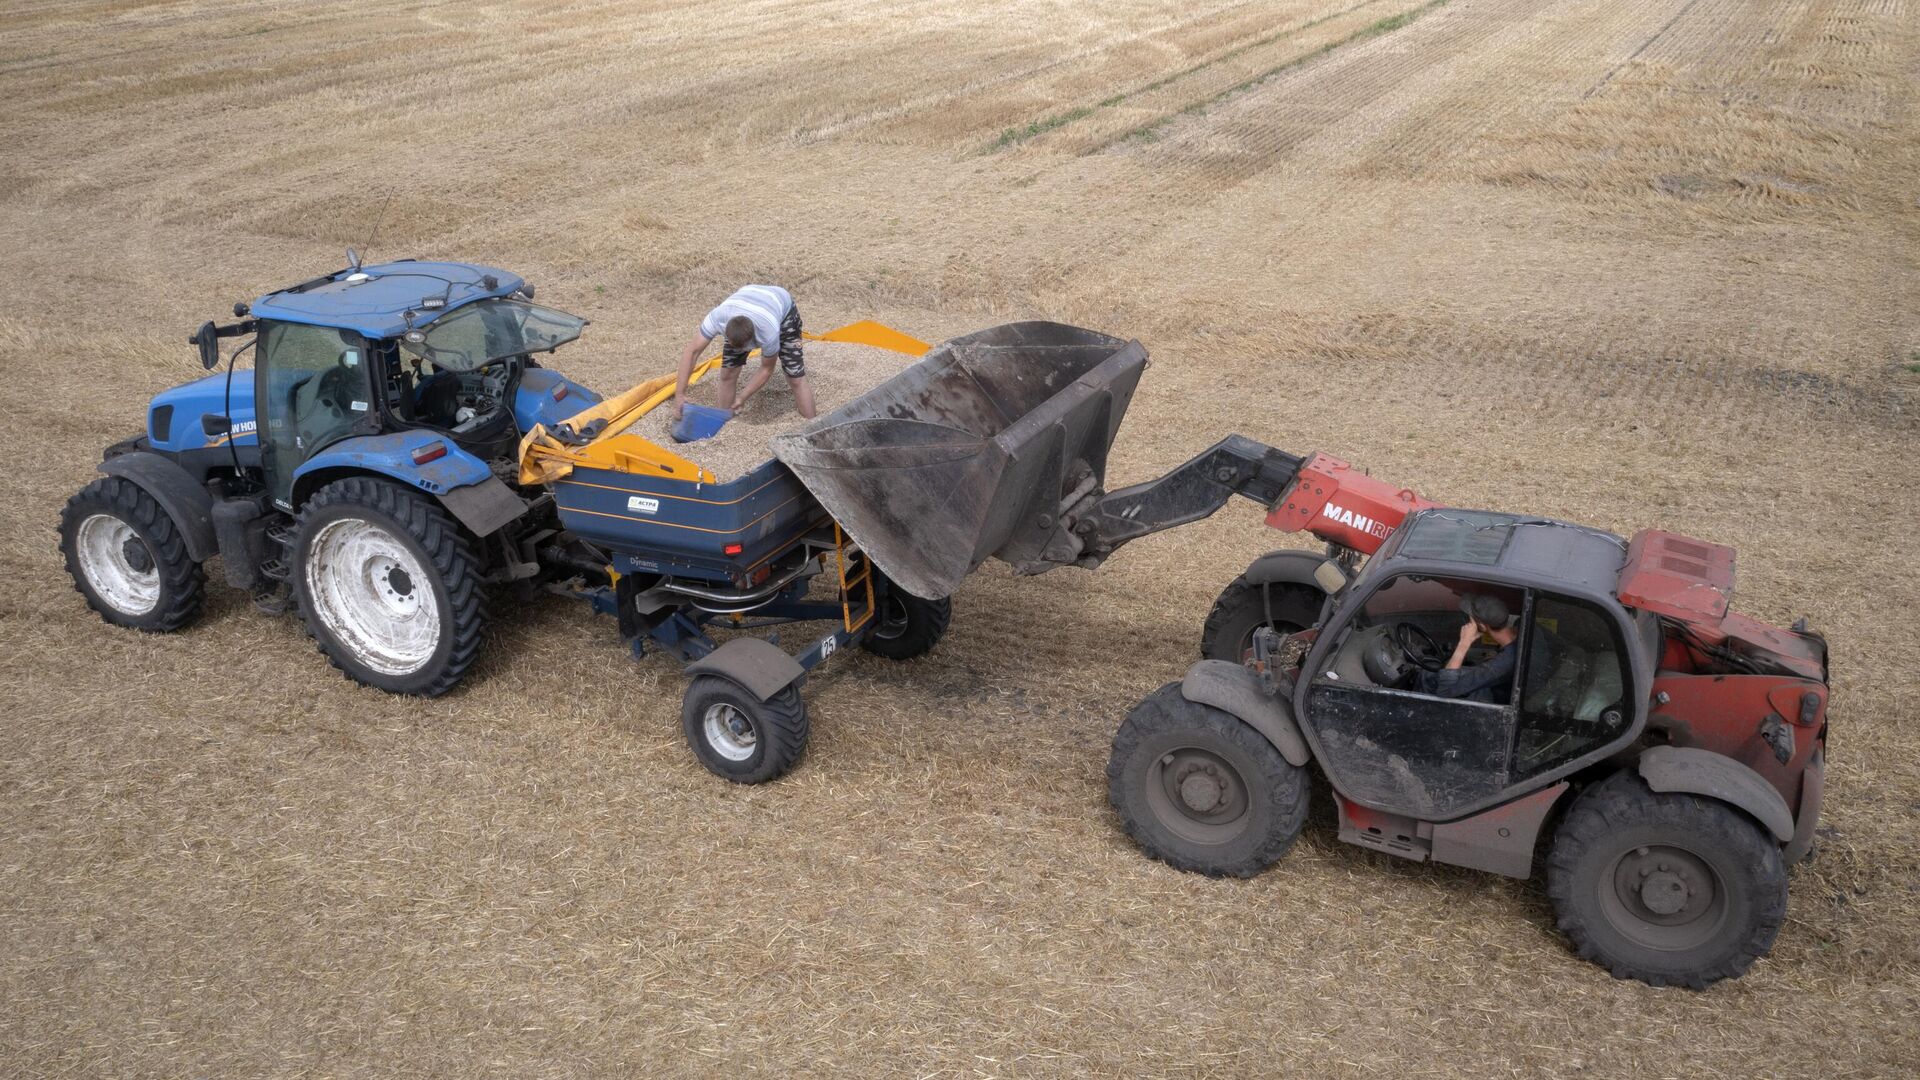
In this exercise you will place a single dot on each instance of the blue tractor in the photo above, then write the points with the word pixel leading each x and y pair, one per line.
pixel 397 456
pixel 360 471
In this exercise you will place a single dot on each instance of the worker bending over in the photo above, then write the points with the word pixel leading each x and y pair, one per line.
pixel 762 315
pixel 1489 681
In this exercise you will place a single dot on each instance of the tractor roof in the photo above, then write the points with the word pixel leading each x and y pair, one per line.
pixel 374 300
pixel 1542 549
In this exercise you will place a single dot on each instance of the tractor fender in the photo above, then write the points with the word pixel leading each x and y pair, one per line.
pixel 1233 689
pixel 185 499
pixel 1695 771
pixel 391 455
pixel 1290 565
pixel 757 666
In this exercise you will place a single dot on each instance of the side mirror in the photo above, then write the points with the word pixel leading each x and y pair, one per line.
pixel 1330 577
pixel 207 340
pixel 215 425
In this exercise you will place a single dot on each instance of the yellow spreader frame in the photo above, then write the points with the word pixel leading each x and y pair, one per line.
pixel 544 459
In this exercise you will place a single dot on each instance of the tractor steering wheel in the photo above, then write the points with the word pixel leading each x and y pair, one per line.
pixel 336 387
pixel 1419 647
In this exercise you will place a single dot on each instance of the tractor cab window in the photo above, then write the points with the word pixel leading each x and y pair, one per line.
pixel 313 389
pixel 1394 732
pixel 471 337
pixel 1574 694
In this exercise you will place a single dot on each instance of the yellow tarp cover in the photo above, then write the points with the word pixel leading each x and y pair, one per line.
pixel 544 459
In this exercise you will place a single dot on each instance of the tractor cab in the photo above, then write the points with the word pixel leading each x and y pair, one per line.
pixel 1558 687
pixel 403 347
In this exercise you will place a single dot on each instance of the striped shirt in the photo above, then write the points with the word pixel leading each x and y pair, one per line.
pixel 765 305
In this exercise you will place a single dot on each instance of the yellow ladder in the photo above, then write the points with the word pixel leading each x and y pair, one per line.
pixel 853 574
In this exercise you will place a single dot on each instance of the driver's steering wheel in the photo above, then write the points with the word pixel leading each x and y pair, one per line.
pixel 336 386
pixel 1421 650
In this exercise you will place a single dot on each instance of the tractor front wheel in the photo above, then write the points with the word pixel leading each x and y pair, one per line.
pixel 1245 606
pixel 389 586
pixel 128 559
pixel 1667 888
pixel 740 737
pixel 1199 789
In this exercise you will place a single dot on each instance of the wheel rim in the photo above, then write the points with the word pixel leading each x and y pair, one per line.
pixel 1198 795
pixel 373 595
pixel 117 564
pixel 1664 897
pixel 730 731
pixel 893 619
pixel 1283 628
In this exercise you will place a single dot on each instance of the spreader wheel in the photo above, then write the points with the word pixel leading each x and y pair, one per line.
pixel 389 586
pixel 128 559
pixel 740 737
pixel 1245 606
pixel 1199 789
pixel 1667 888
pixel 908 626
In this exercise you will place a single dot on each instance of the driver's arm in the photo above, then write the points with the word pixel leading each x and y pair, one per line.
pixel 687 357
pixel 1469 634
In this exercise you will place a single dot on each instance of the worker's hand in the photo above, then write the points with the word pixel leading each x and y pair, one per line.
pixel 1469 634
pixel 679 407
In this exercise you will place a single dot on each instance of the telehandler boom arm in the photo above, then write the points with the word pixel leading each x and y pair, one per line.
pixel 1317 493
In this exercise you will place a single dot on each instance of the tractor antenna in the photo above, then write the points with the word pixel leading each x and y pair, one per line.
pixel 354 258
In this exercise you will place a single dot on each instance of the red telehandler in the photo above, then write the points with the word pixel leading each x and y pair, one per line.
pixel 1663 754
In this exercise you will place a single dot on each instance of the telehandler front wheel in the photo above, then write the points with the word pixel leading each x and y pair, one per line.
pixel 389 586
pixel 740 737
pixel 128 559
pixel 1199 789
pixel 1667 888
pixel 1245 606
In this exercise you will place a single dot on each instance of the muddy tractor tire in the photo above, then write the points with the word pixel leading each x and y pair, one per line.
pixel 1199 789
pixel 739 737
pixel 128 559
pixel 908 626
pixel 1667 888
pixel 1245 606
pixel 389 586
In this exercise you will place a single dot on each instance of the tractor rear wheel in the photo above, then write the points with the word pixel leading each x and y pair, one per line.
pixel 1667 888
pixel 908 626
pixel 740 737
pixel 1245 606
pixel 128 559
pixel 389 586
pixel 1199 789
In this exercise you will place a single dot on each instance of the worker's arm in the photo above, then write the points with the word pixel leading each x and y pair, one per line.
pixel 1469 634
pixel 687 358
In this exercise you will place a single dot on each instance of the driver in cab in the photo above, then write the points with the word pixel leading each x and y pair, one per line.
pixel 1490 680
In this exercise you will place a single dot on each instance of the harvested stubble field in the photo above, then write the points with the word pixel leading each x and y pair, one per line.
pixel 1649 262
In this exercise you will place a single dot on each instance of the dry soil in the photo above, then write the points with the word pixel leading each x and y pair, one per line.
pixel 1636 263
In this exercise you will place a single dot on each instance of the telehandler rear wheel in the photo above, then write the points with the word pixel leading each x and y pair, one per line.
pixel 1245 606
pixel 1667 888
pixel 389 586
pixel 1199 789
pixel 738 736
pixel 128 559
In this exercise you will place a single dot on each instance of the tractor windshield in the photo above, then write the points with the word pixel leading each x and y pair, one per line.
pixel 476 335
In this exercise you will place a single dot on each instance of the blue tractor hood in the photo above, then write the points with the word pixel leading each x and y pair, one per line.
pixel 373 301
pixel 173 418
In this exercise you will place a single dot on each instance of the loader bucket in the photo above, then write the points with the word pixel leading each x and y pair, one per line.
pixel 972 451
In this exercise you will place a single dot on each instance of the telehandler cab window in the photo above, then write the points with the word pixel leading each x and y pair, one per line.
pixel 1385 741
pixel 313 383
pixel 1574 695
